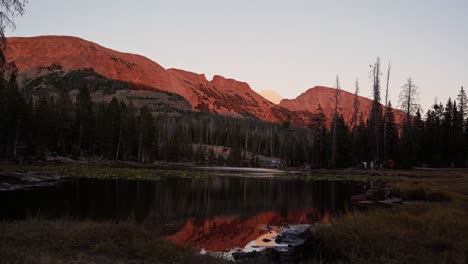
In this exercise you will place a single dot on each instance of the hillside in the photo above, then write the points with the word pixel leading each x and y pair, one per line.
pixel 37 56
pixel 43 62
pixel 319 95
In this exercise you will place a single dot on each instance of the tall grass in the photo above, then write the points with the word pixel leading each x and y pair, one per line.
pixel 418 191
pixel 69 241
pixel 430 233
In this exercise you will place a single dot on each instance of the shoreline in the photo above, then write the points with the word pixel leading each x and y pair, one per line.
pixel 431 222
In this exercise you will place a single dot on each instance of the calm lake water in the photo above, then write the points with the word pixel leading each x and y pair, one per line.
pixel 215 214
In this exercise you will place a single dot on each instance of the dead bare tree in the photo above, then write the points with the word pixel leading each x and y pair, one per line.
pixel 376 112
pixel 385 110
pixel 336 99
pixel 356 105
pixel 408 99
pixel 9 9
pixel 355 118
pixel 388 84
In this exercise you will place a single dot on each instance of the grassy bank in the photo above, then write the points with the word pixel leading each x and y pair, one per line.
pixel 69 241
pixel 431 228
pixel 425 233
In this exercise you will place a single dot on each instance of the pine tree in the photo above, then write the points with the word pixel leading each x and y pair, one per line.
pixel 391 139
pixel 3 112
pixel 362 149
pixel 44 124
pixel 336 100
pixel 64 110
pixel 458 135
pixel 447 132
pixel 462 105
pixel 343 143
pixel 83 119
pixel 146 135
pixel 13 109
pixel 418 129
pixel 319 131
pixel 115 117
pixel 130 134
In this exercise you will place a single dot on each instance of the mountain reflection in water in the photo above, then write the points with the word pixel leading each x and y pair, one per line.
pixel 215 213
pixel 224 233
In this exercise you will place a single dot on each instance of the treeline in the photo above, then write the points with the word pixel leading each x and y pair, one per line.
pixel 34 128
pixel 31 129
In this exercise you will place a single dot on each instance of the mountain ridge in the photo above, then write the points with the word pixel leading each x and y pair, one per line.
pixel 35 55
pixel 321 95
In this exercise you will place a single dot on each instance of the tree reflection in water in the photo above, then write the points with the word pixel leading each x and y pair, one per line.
pixel 215 213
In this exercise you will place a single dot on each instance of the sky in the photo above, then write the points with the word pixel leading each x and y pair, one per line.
pixel 287 46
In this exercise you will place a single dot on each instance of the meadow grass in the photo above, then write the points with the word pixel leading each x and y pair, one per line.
pixel 69 241
pixel 433 230
pixel 426 233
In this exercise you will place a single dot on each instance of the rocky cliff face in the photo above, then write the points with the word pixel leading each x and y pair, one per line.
pixel 37 57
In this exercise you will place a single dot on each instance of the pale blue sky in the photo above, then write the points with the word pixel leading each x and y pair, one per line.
pixel 288 46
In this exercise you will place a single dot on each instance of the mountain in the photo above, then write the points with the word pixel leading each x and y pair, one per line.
pixel 51 64
pixel 210 234
pixel 57 56
pixel 272 95
pixel 319 95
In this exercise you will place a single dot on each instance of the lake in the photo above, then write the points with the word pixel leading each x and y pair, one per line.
pixel 215 214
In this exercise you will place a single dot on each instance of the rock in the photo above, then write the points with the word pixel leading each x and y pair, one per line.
pixel 294 235
pixel 291 239
pixel 239 255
